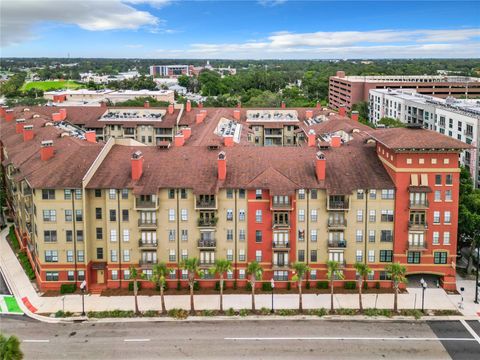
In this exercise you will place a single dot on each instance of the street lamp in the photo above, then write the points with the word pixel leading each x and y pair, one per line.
pixel 478 266
pixel 83 287
pixel 424 287
pixel 272 283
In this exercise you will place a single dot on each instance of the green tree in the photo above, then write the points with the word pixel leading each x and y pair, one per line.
pixel 10 348
pixel 255 272
pixel 191 265
pixel 220 268
pixel 135 276
pixel 391 123
pixel 362 108
pixel 300 269
pixel 333 272
pixel 397 274
pixel 362 270
pixel 184 80
pixel 160 273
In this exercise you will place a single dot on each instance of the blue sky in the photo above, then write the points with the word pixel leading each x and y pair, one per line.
pixel 240 29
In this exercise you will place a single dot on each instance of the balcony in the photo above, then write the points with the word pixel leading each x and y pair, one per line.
pixel 148 224
pixel 147 264
pixel 280 265
pixel 281 224
pixel 144 204
pixel 338 204
pixel 414 225
pixel 207 263
pixel 419 204
pixel 207 222
pixel 422 246
pixel 337 223
pixel 205 202
pixel 207 243
pixel 281 245
pixel 337 243
pixel 280 206
pixel 147 245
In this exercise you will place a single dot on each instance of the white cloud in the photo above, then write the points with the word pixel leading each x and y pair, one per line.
pixel 271 3
pixel 19 17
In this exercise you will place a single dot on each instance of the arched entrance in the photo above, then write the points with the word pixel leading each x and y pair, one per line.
pixel 432 280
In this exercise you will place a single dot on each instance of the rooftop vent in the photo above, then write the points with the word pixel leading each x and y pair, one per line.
pixel 414 126
pixel 213 147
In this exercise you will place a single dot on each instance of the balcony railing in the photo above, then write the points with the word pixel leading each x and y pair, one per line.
pixel 147 223
pixel 337 205
pixel 146 244
pixel 144 263
pixel 280 265
pixel 417 246
pixel 337 223
pixel 145 204
pixel 419 204
pixel 414 225
pixel 281 224
pixel 207 243
pixel 337 243
pixel 281 245
pixel 203 203
pixel 207 222
pixel 207 262
pixel 281 206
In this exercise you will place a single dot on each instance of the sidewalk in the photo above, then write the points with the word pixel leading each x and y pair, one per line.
pixel 22 289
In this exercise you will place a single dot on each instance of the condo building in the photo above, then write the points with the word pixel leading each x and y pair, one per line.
pixel 348 90
pixel 457 118
pixel 88 209
pixel 169 70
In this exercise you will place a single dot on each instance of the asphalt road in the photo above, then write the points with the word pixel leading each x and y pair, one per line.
pixel 274 339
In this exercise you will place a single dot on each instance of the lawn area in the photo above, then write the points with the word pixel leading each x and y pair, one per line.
pixel 52 85
pixel 12 305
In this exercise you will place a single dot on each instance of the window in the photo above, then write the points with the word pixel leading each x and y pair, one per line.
pixel 313 274
pixel 360 194
pixel 98 213
pixel 78 194
pixel 183 193
pixel 387 216
pixel 313 255
pixel 241 274
pixel 448 195
pixel 301 255
pixel 184 214
pixel 79 215
pixel 49 215
pixel 99 233
pixel 280 275
pixel 301 194
pixel 229 215
pixel 171 193
pixel 359 215
pixel 434 161
pixel 50 236
pixel 70 275
pixel 314 194
pixel 184 254
pixel 52 275
pixel 258 236
pixel 171 235
pixel 125 215
pixel 81 275
pixel 124 194
pixel 67 194
pixel 359 256
pixel 371 235
pixel 372 216
pixel 172 275
pixel 447 217
pixel 113 255
pixel 313 235
pixel 126 235
pixel 69 255
pixel 359 236
pixel 258 216
pixel 440 257
pixel 114 274
pixel 409 161
pixel 438 179
pixel 113 215
pixel 373 194
pixel 386 255
pixel 301 215
pixel 48 194
pixel 98 193
pixel 80 256
pixel 438 195
pixel 99 253
pixel 386 236
pixel 171 255
pixel 229 254
pixel 384 276
pixel 436 217
pixel 388 194
pixel 171 215
pixel 51 256
pixel 79 235
pixel 126 255
pixel 113 235
pixel 229 193
pixel 241 193
pixel 436 238
pixel 446 238
pixel 449 179
pixel 241 235
pixel 258 194
pixel 371 256
pixel 112 194
pixel 301 235
pixel 258 256
pixel 241 255
pixel 241 215
pixel 68 235
pixel 184 235
pixel 413 257
pixel 229 235
pixel 314 215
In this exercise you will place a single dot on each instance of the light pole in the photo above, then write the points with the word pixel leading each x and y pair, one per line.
pixel 478 266
pixel 83 287
pixel 272 283
pixel 424 287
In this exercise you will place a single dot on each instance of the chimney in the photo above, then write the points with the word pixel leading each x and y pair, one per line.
pixel 222 166
pixel 187 132
pixel 63 114
pixel 19 126
pixel 179 140
pixel 311 138
pixel 236 115
pixel 57 117
pixel 341 74
pixel 342 110
pixel 200 105
pixel 3 110
pixel 189 106
pixel 308 114
pixel 283 106
pixel 137 165
pixel 90 136
pixel 170 109
pixel 354 116
pixel 28 132
pixel 204 114
pixel 9 115
pixel 228 140
pixel 320 166
pixel 318 105
pixel 146 104
pixel 335 141
pixel 46 150
pixel 198 118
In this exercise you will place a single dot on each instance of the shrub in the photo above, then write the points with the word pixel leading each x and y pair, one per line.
pixel 318 312
pixel 289 286
pixel 378 312
pixel 61 314
pixel 417 314
pixel 178 314
pixel 266 286
pixel 13 238
pixel 342 311
pixel 350 285
pixel 377 285
pixel 179 285
pixel 235 285
pixel 217 285
pixel 322 285
pixel 264 311
pixel 307 285
pixel 23 258
pixel 286 312
pixel 208 313
pixel 365 285
pixel 111 314
pixel 243 312
pixel 130 286
pixel 150 313
pixel 248 287
pixel 230 312
pixel 446 312
pixel 196 286
pixel 68 288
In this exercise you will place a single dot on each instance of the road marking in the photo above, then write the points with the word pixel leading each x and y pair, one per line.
pixel 350 338
pixel 36 341
pixel 470 330
pixel 136 340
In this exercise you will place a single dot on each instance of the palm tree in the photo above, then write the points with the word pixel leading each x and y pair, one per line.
pixel 363 270
pixel 191 265
pixel 333 271
pixel 397 274
pixel 159 277
pixel 255 271
pixel 135 276
pixel 300 270
pixel 10 348
pixel 220 268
